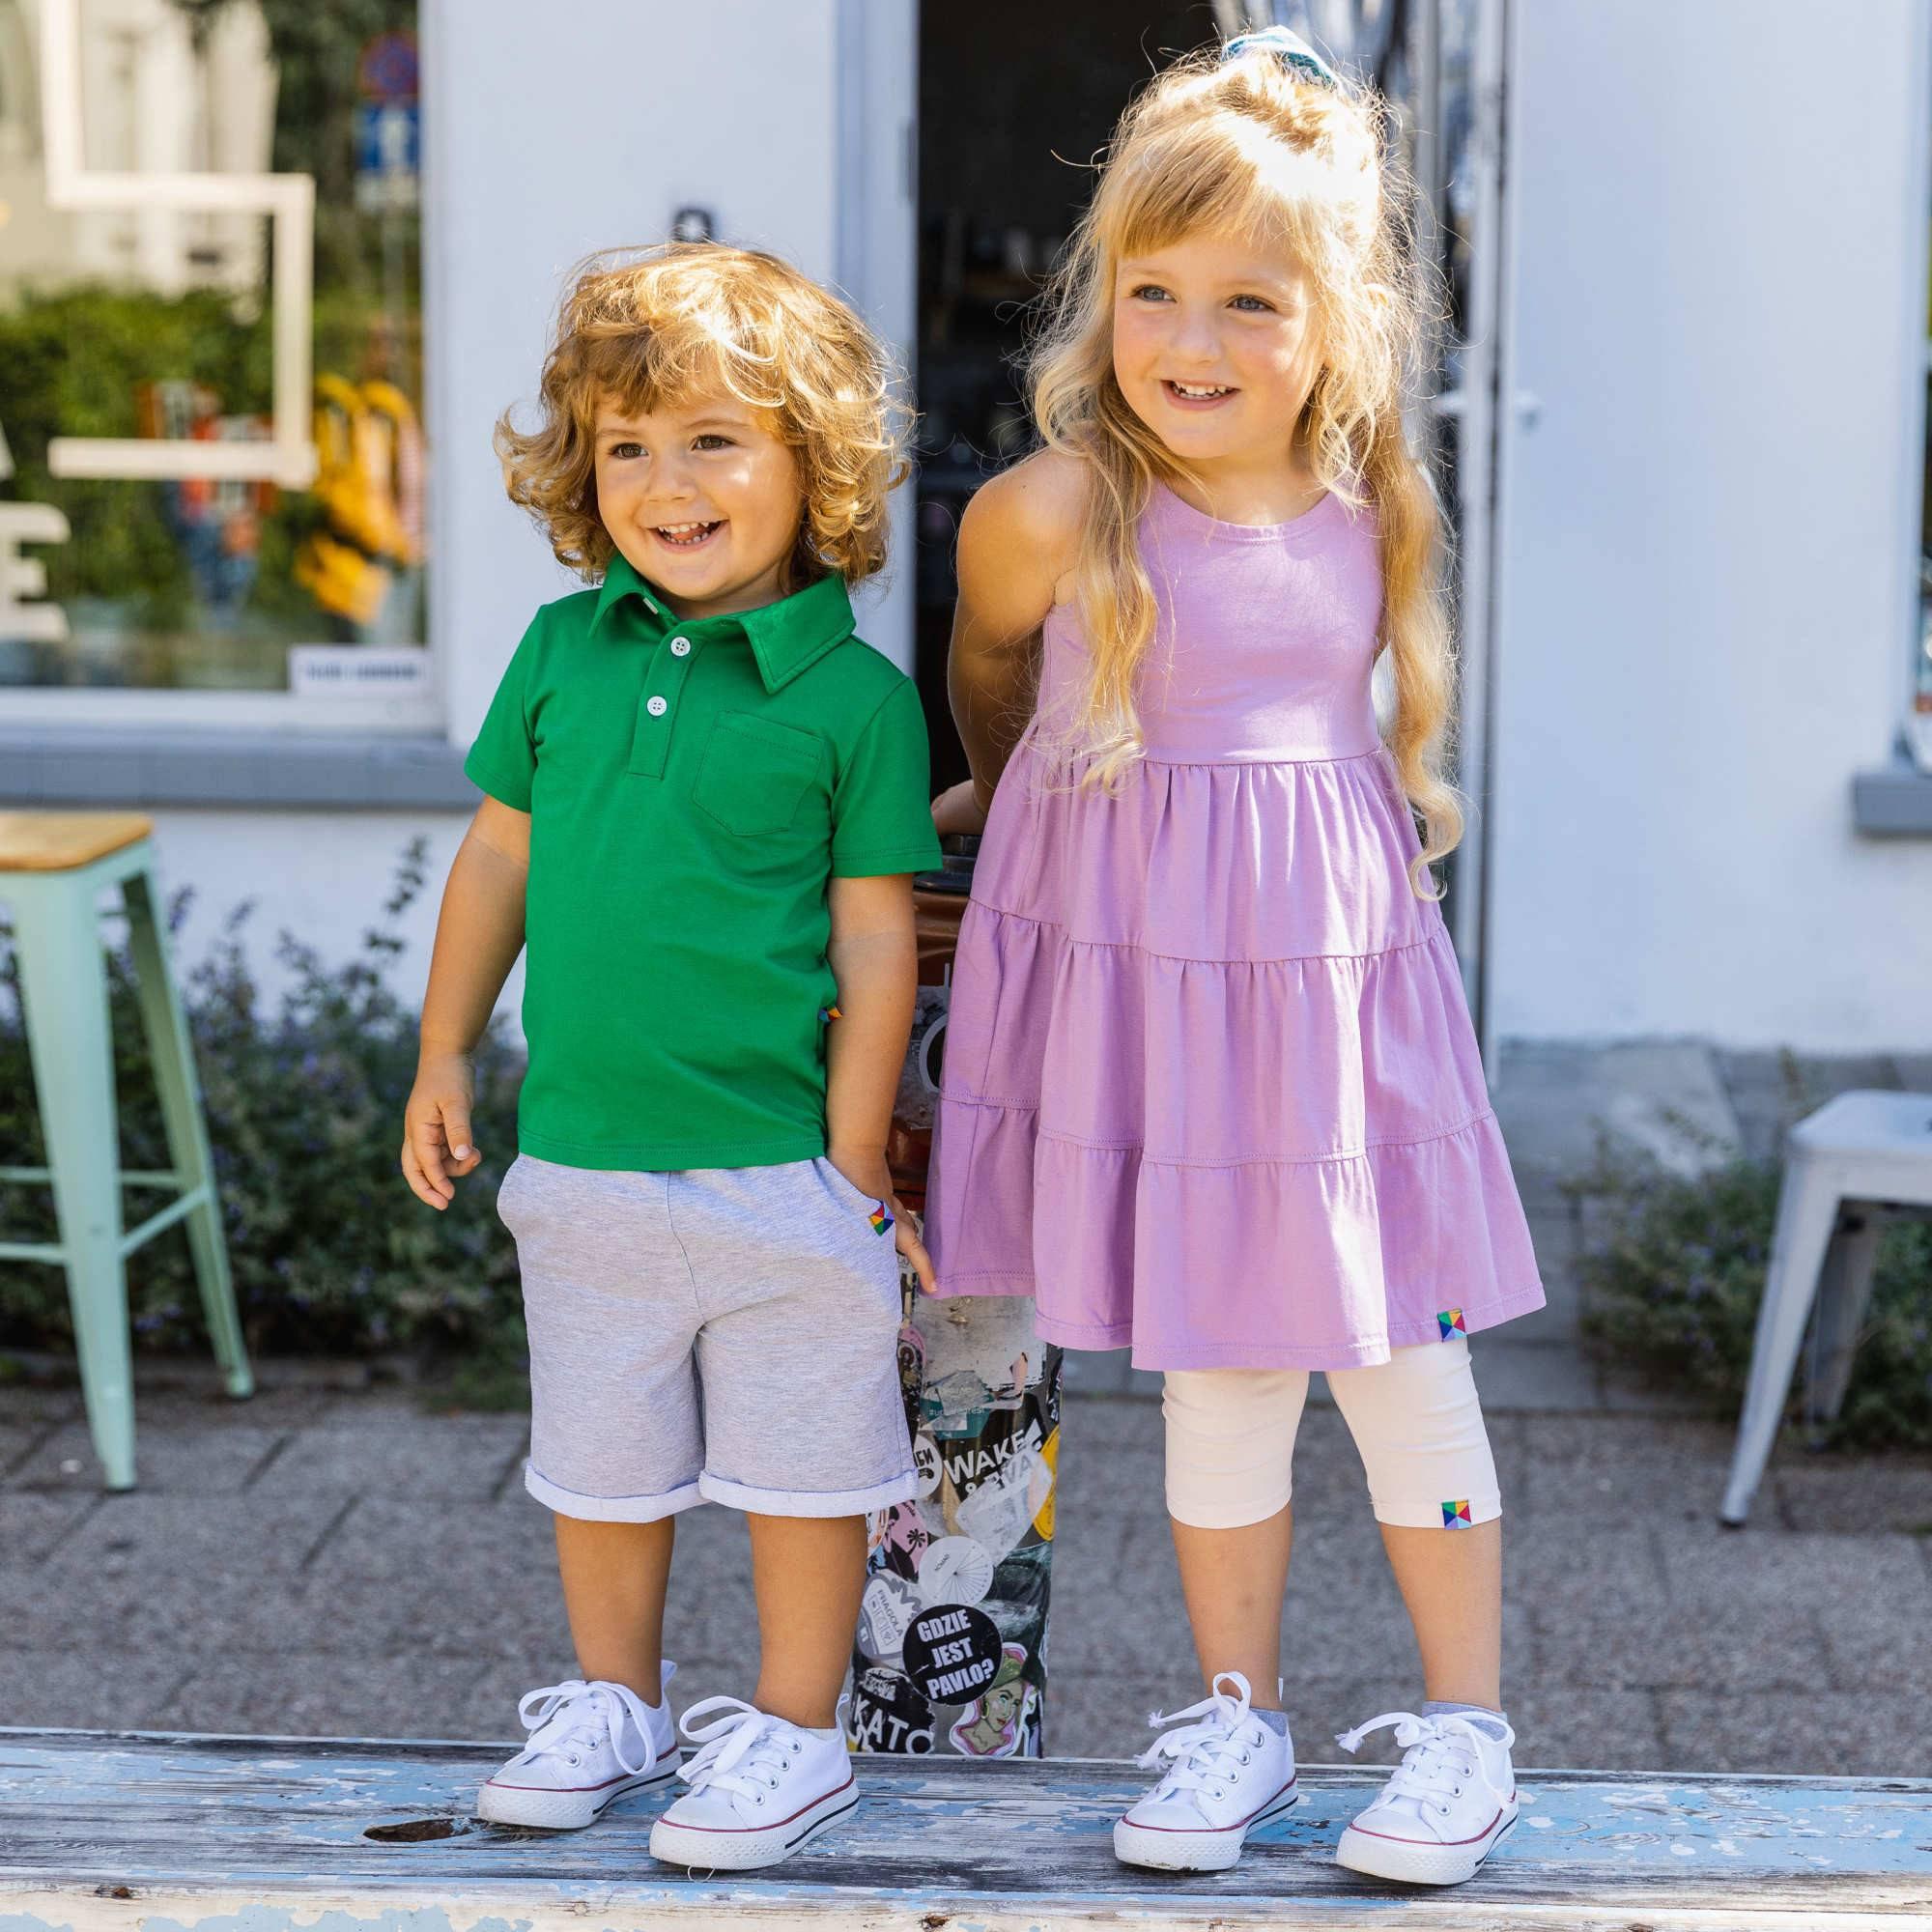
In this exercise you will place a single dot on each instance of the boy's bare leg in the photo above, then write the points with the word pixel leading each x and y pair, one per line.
pixel 614 1576
pixel 1233 1580
pixel 1452 1580
pixel 809 1573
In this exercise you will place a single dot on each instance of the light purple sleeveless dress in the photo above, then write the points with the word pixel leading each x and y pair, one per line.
pixel 1210 1088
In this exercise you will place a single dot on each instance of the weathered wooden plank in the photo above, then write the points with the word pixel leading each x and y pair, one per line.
pixel 186 1835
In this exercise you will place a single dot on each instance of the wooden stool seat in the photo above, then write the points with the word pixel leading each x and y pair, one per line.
pixel 58 841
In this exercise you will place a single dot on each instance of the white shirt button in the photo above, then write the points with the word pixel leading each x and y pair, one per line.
pixel 680 648
pixel 657 707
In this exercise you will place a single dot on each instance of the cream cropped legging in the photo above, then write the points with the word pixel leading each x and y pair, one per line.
pixel 1417 1424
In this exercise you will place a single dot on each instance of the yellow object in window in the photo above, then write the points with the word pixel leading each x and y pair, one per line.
pixel 369 479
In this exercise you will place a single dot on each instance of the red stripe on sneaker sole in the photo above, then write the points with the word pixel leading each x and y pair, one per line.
pixel 775 1825
pixel 571 1790
pixel 1432 1844
pixel 1239 1825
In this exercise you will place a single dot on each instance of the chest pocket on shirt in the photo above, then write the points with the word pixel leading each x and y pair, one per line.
pixel 753 774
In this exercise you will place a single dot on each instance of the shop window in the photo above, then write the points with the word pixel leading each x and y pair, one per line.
pixel 214 474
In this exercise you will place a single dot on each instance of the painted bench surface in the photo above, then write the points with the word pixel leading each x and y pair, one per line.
pixel 253 1834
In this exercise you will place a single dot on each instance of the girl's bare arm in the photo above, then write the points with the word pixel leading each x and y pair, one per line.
pixel 1016 545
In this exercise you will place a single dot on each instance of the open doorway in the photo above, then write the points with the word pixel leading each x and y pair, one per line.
pixel 1014 99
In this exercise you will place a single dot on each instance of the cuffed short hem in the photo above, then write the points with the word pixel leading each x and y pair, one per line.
pixel 1194 1516
pixel 1451 1513
pixel 809 1502
pixel 611 1509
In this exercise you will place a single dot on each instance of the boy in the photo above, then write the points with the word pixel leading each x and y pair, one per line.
pixel 704 797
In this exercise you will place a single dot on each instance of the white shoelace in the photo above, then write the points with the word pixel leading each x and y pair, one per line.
pixel 1441 1755
pixel 742 1752
pixel 1204 1756
pixel 561 1715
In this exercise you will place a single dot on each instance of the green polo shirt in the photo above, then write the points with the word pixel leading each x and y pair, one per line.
pixel 692 789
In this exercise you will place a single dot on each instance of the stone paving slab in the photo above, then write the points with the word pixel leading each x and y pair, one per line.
pixel 32 1527
pixel 165 1572
pixel 1842 1492
pixel 1701 1647
pixel 1555 1100
pixel 1787 1571
pixel 1579 1727
pixel 462 1578
pixel 1874 1645
pixel 59 1688
pixel 1826 1734
pixel 322 1692
pixel 218 1455
pixel 1516 1370
pixel 1589 1562
pixel 471 1458
pixel 1600 1463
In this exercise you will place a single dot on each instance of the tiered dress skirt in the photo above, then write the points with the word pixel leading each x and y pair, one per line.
pixel 1210 1088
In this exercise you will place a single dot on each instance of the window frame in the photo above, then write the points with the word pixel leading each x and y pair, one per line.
pixel 1894 799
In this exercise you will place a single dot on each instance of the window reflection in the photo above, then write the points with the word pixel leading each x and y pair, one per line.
pixel 149 329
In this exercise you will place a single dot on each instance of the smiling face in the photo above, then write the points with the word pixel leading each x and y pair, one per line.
pixel 1216 349
pixel 702 498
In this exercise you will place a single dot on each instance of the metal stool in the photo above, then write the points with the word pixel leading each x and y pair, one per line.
pixel 53 868
pixel 1860 1163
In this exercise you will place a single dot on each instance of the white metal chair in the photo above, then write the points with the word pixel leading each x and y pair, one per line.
pixel 1856 1165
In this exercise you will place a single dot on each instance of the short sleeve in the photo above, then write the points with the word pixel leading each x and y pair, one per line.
pixel 881 811
pixel 503 759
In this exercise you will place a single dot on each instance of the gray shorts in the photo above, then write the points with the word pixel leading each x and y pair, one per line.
pixel 727 1334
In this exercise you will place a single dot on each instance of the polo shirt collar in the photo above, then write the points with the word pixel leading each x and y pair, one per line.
pixel 787 638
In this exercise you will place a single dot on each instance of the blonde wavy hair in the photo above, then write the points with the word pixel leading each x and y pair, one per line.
pixel 1248 147
pixel 662 324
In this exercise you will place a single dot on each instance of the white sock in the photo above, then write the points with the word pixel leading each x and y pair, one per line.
pixel 1490 1722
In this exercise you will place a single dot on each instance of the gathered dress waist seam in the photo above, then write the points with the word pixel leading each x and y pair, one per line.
pixel 1232 762
pixel 1193 959
pixel 1335 1159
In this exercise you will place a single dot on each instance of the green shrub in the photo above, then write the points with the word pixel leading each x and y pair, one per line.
pixel 1673 1271
pixel 330 1251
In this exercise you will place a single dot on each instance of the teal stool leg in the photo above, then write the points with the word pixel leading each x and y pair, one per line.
pixel 172 1051
pixel 64 989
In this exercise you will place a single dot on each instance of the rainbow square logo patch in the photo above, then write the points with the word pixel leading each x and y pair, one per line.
pixel 881 1220
pixel 830 1013
pixel 1456 1514
pixel 1450 1321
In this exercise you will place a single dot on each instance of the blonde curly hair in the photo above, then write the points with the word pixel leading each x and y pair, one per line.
pixel 1253 147
pixel 656 327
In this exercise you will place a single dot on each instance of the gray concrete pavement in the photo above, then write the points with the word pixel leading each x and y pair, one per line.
pixel 335 1559
pixel 349 1564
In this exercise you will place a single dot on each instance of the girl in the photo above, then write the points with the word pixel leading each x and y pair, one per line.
pixel 1210 1088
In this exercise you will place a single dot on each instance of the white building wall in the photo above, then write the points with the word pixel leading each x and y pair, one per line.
pixel 1714 529
pixel 321 876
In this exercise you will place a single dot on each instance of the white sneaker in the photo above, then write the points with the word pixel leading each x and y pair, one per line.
pixel 1228 1774
pixel 1448 1804
pixel 760 1788
pixel 589 1742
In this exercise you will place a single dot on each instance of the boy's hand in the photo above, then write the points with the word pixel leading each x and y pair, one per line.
pixel 962 808
pixel 870 1174
pixel 436 1148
